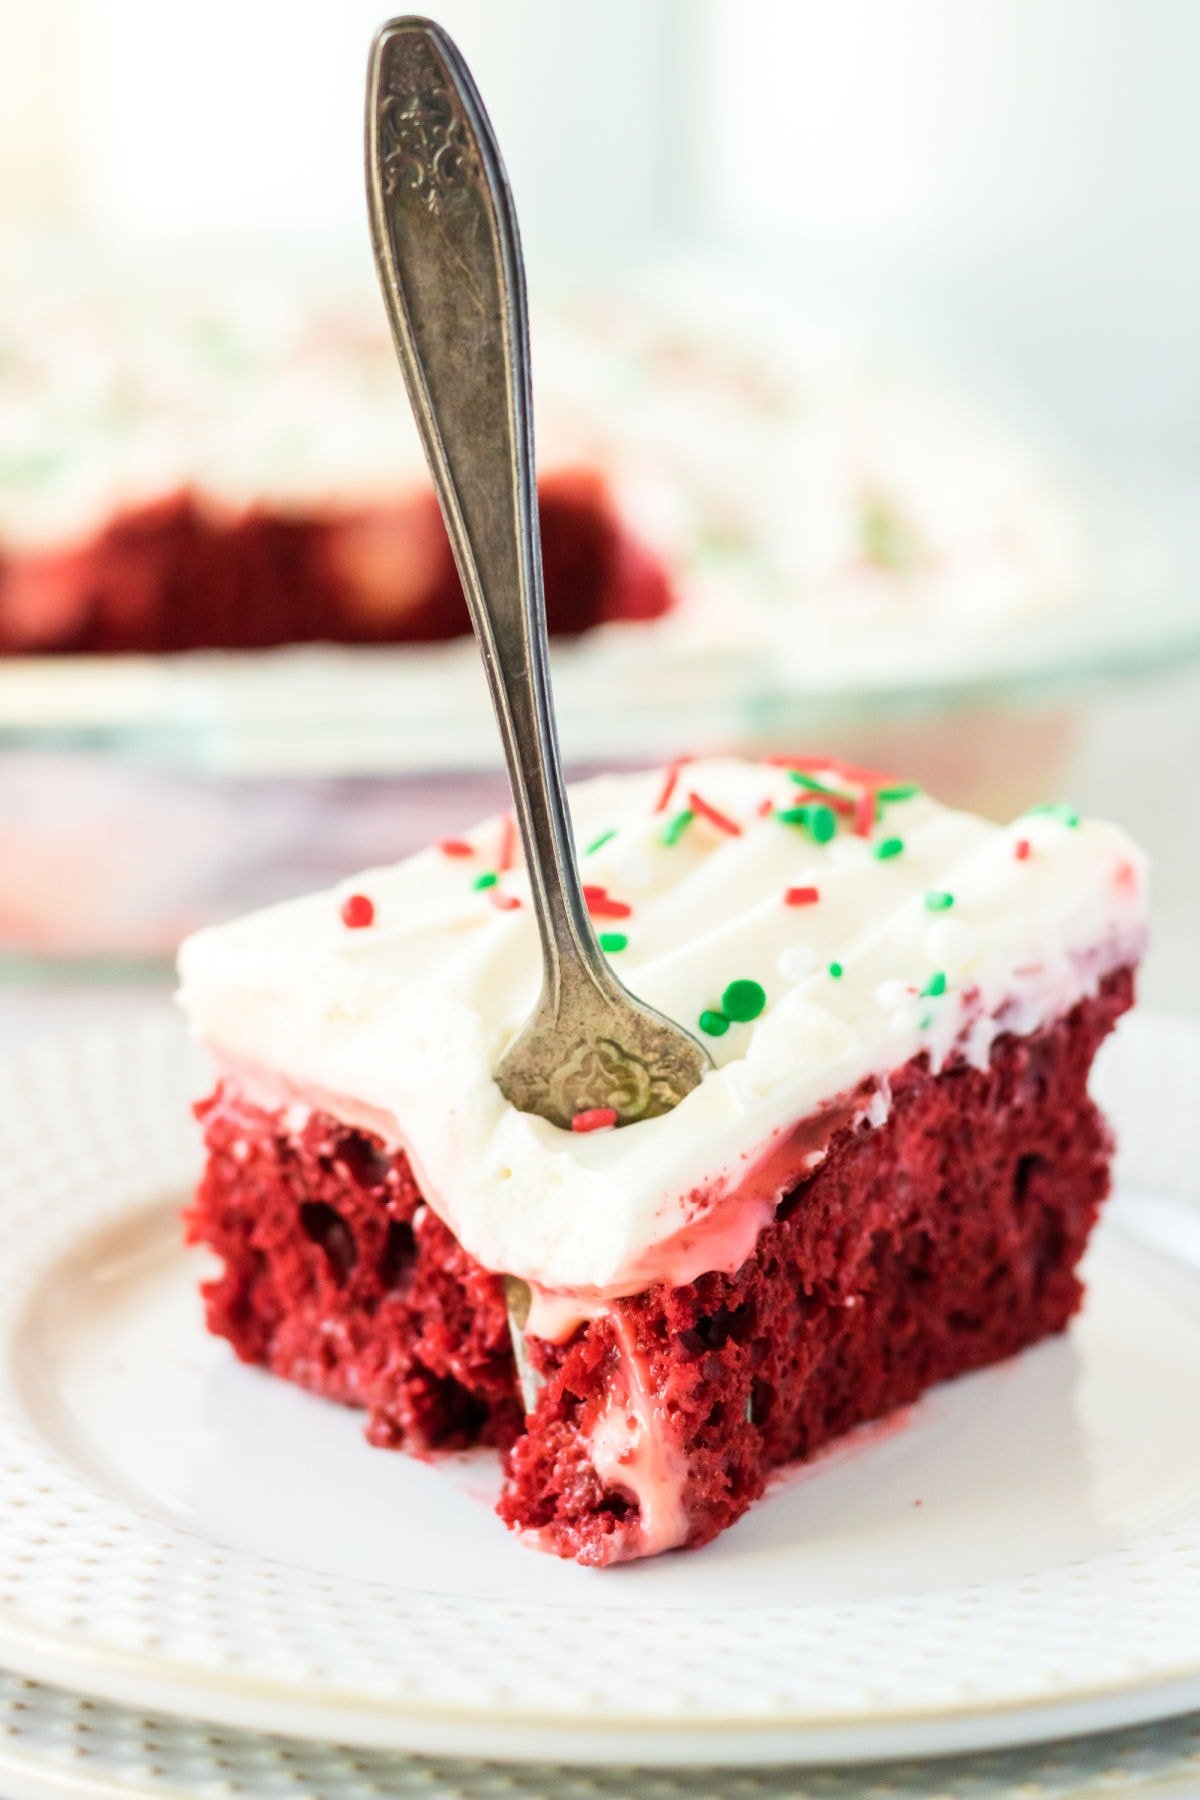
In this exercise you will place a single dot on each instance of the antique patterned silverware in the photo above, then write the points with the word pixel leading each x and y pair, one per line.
pixel 449 257
pixel 444 231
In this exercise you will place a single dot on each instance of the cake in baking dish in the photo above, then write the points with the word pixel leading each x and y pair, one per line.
pixel 888 1177
pixel 232 464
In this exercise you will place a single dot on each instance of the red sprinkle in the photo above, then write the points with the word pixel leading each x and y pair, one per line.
pixel 766 807
pixel 864 813
pixel 704 810
pixel 508 843
pixel 456 847
pixel 833 765
pixel 601 904
pixel 670 783
pixel 1022 849
pixel 801 896
pixel 596 1118
pixel 503 902
pixel 358 911
pixel 841 803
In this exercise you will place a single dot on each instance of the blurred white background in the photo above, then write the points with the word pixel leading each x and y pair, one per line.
pixel 1018 176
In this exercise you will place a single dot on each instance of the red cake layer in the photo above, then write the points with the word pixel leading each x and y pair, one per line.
pixel 178 576
pixel 339 1277
pixel 941 1241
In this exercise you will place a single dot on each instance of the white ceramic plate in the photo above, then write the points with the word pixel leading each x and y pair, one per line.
pixel 1018 1558
pixel 58 1746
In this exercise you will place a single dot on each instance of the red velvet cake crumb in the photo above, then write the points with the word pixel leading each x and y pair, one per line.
pixel 339 1277
pixel 942 1240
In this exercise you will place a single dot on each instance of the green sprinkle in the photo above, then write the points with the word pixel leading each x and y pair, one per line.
pixel 812 785
pixel 836 970
pixel 718 542
pixel 889 847
pixel 904 790
pixel 743 1000
pixel 606 837
pixel 715 1023
pixel 888 540
pixel 927 1021
pixel 822 822
pixel 678 825
pixel 819 820
pixel 1056 809
pixel 31 468
pixel 937 900
pixel 613 940
pixel 488 879
pixel 935 987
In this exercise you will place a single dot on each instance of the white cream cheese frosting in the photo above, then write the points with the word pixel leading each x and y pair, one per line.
pixel 876 923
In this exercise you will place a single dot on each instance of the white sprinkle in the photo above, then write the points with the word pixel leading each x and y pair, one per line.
pixel 893 994
pixel 797 961
pixel 951 945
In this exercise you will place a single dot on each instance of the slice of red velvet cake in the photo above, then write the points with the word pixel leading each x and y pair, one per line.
pixel 887 1179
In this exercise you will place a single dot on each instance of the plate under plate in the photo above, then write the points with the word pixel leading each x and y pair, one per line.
pixel 59 1746
pixel 1016 1557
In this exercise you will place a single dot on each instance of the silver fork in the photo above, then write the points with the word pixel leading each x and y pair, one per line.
pixel 444 231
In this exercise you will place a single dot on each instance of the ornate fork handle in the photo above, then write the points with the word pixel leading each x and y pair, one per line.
pixel 449 257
